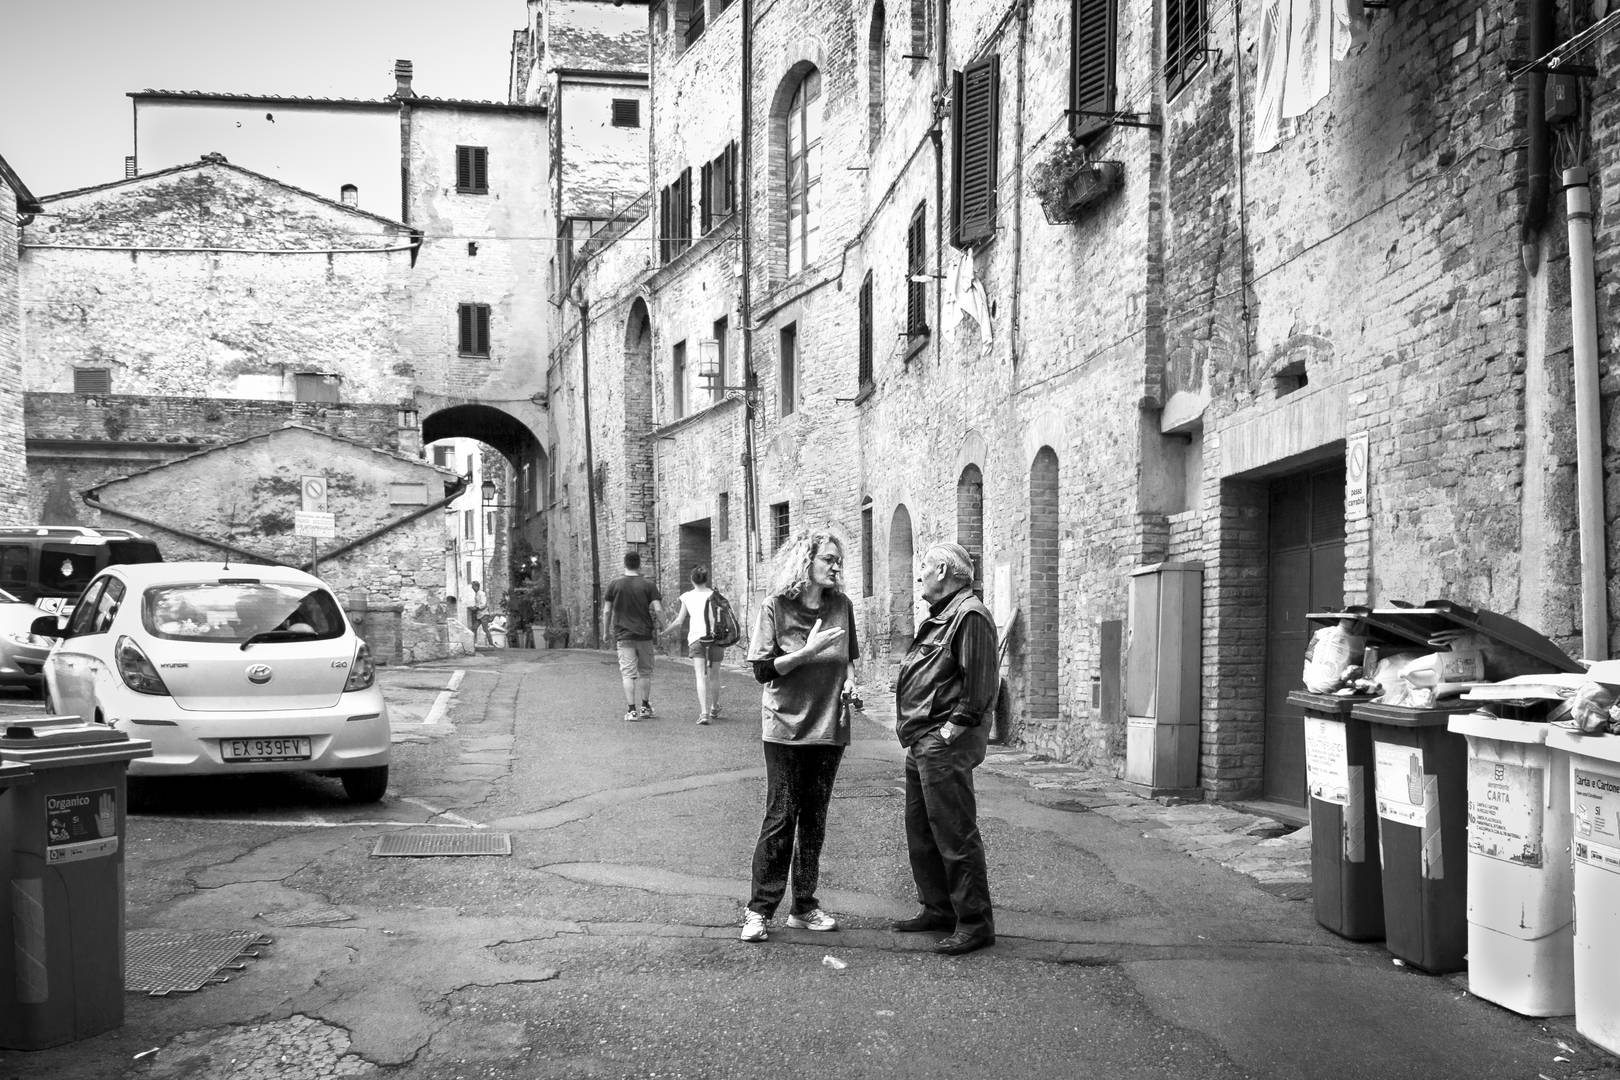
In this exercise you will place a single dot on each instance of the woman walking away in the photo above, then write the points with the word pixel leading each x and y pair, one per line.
pixel 805 654
pixel 694 604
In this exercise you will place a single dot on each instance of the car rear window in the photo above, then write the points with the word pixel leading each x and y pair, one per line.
pixel 233 611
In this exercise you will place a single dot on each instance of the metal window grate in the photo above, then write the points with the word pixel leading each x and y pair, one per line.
pixel 439 842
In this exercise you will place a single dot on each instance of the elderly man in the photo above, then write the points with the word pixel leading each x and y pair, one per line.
pixel 943 703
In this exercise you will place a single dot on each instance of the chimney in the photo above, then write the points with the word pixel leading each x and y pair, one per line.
pixel 130 172
pixel 402 79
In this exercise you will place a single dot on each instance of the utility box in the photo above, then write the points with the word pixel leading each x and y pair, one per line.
pixel 62 880
pixel 1163 666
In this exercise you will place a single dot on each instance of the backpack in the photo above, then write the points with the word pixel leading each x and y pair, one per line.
pixel 719 622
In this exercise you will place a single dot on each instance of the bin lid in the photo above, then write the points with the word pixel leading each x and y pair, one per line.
pixel 13 770
pixel 1438 715
pixel 49 741
pixel 1549 686
pixel 1418 626
pixel 1482 725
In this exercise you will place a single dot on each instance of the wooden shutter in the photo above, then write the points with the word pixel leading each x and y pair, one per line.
pixel 472 169
pixel 97 380
pixel 916 265
pixel 626 112
pixel 706 198
pixel 865 377
pixel 481 315
pixel 1092 88
pixel 683 210
pixel 975 107
pixel 666 226
pixel 731 175
pixel 480 168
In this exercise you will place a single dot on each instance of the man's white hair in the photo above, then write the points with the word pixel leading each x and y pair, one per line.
pixel 958 563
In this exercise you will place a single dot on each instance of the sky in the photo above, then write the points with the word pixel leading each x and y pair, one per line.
pixel 66 65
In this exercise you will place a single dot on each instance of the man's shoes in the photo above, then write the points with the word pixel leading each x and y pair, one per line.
pixel 630 715
pixel 703 719
pixel 754 926
pixel 645 712
pixel 814 919
pixel 921 922
pixel 963 942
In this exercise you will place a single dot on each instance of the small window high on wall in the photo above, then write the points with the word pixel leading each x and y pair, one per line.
pixel 472 170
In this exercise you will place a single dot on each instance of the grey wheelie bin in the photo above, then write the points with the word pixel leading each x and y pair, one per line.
pixel 1346 883
pixel 62 881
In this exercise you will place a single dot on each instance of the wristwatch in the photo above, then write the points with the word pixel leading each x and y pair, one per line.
pixel 946 731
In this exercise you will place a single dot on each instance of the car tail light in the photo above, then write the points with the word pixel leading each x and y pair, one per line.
pixel 136 670
pixel 362 673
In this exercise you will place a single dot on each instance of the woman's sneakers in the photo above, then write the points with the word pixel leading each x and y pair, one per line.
pixel 754 927
pixel 814 919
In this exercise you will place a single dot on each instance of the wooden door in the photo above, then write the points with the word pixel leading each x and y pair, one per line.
pixel 1305 573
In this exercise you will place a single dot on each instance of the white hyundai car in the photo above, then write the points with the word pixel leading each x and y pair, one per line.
pixel 226 669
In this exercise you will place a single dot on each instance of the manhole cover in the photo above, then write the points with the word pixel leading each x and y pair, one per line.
pixel 439 842
pixel 870 792
pixel 160 962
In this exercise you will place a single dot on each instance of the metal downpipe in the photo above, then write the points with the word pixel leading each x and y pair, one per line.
pixel 1588 418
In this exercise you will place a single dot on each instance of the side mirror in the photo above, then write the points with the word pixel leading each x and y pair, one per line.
pixel 47 626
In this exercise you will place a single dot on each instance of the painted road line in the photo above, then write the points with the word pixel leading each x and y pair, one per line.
pixel 441 704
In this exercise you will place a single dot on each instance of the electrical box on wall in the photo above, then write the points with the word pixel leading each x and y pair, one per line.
pixel 1563 99
pixel 1163 663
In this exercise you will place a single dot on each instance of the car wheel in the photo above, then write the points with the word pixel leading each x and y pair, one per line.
pixel 365 785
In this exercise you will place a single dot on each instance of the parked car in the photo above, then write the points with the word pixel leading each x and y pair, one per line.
pixel 50 565
pixel 226 669
pixel 22 651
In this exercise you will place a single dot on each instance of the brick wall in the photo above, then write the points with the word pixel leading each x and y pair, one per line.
pixel 245 494
pixel 13 488
pixel 295 285
pixel 75 441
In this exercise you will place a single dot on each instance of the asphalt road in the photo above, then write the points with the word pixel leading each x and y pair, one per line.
pixel 605 945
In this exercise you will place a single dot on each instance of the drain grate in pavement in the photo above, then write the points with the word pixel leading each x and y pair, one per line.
pixel 435 842
pixel 159 962
pixel 859 792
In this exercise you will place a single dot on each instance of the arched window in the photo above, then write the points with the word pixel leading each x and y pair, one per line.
pixel 876 50
pixel 350 195
pixel 802 148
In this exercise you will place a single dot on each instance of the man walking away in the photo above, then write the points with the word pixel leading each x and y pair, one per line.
pixel 943 701
pixel 631 611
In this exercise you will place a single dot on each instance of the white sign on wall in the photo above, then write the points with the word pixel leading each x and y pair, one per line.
pixel 315 524
pixel 1357 476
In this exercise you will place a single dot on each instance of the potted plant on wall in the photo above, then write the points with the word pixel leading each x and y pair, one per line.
pixel 1049 178
pixel 1067 179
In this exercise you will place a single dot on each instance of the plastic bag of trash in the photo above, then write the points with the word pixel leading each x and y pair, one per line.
pixel 1595 709
pixel 1331 650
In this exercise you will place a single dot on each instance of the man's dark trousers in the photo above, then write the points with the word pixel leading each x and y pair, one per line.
pixel 942 829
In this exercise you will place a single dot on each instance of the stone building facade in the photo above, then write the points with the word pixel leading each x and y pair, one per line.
pixel 236 502
pixel 1119 299
pixel 17 205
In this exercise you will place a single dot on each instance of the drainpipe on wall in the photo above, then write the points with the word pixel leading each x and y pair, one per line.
pixel 590 467
pixel 942 80
pixel 1588 418
pixel 745 313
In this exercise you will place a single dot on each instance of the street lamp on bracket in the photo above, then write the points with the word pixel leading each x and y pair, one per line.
pixel 708 370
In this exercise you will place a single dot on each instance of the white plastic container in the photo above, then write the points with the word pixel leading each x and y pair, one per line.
pixel 1521 926
pixel 1594 801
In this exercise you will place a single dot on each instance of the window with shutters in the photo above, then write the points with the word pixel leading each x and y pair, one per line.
pixel 975 122
pixel 1091 87
pixel 787 386
pixel 677 381
pixel 675 216
pixel 802 148
pixel 717 189
pixel 922 31
pixel 868 549
pixel 722 327
pixel 689 20
pixel 876 50
pixel 1185 24
pixel 92 380
pixel 472 170
pixel 626 113
pixel 865 350
pixel 917 268
pixel 474 329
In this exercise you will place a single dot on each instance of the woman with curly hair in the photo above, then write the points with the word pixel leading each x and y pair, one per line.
pixel 805 654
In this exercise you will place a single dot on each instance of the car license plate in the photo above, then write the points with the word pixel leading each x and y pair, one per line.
pixel 278 749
